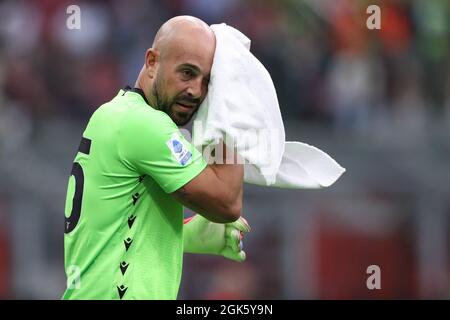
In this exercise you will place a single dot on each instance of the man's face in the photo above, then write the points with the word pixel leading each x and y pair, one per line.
pixel 181 84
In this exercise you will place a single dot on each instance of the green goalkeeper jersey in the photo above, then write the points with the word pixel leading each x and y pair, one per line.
pixel 123 230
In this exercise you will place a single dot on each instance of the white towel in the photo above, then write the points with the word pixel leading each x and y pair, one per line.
pixel 242 107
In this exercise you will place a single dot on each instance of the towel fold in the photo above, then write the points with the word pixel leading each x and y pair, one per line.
pixel 241 108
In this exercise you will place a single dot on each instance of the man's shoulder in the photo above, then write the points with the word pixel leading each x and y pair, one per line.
pixel 141 120
pixel 140 113
pixel 132 110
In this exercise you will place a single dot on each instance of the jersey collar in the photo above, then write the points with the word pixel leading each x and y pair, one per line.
pixel 138 91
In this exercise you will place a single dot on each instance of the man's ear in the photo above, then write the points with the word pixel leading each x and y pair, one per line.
pixel 151 61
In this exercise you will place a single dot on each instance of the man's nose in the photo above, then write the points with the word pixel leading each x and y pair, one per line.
pixel 195 89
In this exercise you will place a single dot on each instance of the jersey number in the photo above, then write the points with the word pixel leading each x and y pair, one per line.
pixel 77 171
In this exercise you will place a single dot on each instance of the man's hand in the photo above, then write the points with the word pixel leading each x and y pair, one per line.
pixel 225 239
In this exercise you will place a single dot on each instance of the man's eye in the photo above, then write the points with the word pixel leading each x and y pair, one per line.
pixel 187 73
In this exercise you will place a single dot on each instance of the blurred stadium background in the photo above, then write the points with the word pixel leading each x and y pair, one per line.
pixel 378 101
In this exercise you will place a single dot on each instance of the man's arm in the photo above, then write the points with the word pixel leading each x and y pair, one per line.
pixel 216 193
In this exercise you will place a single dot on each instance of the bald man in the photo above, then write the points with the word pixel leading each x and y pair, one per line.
pixel 134 171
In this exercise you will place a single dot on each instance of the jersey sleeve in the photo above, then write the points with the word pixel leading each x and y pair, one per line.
pixel 151 143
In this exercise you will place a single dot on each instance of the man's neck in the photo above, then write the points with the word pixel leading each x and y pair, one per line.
pixel 149 98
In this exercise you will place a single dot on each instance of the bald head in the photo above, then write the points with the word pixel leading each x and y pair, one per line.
pixel 183 28
pixel 176 72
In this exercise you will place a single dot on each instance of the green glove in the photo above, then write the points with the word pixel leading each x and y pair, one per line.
pixel 224 239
